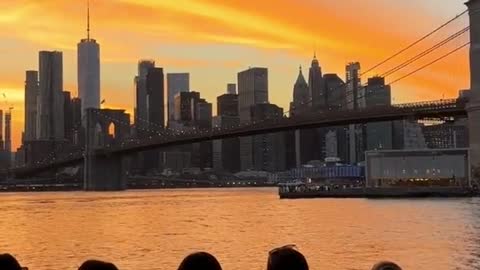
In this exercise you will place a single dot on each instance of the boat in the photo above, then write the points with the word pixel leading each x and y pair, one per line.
pixel 301 190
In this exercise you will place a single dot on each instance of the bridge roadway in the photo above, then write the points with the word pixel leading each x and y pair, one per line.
pixel 423 110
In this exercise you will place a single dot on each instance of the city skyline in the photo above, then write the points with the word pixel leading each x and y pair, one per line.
pixel 213 58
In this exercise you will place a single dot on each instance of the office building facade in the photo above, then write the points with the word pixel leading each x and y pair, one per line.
pixel 316 85
pixel 31 95
pixel 88 73
pixel 252 90
pixel 155 98
pixel 50 122
pixel 141 96
pixel 269 150
pixel 176 83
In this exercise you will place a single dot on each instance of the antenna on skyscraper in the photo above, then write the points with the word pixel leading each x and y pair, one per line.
pixel 88 19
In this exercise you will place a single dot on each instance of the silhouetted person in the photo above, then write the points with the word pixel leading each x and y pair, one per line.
pixel 97 265
pixel 8 262
pixel 286 258
pixel 386 266
pixel 200 261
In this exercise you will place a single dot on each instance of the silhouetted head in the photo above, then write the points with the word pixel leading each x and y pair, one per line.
pixel 200 261
pixel 286 258
pixel 8 262
pixel 97 265
pixel 386 266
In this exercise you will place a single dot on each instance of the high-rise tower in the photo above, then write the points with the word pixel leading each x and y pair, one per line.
pixel 355 132
pixel 301 95
pixel 8 131
pixel 50 97
pixel 353 84
pixel 31 93
pixel 176 83
pixel 252 90
pixel 316 84
pixel 89 69
pixel 155 98
pixel 141 95
pixel 2 143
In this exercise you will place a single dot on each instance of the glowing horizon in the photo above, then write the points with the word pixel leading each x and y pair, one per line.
pixel 215 39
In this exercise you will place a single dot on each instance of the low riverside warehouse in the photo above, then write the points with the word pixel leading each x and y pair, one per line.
pixel 428 167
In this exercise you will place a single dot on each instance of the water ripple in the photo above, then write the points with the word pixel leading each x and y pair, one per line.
pixel 156 229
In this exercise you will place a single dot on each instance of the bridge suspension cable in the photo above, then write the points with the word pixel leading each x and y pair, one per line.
pixel 409 61
pixel 425 52
pixel 431 63
pixel 415 42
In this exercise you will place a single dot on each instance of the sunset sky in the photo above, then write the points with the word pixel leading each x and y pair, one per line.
pixel 215 39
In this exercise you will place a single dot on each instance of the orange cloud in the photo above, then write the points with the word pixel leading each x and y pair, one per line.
pixel 214 39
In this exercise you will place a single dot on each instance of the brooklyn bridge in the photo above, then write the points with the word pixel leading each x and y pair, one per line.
pixel 104 163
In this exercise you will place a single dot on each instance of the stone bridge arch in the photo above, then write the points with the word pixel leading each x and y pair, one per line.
pixel 101 172
pixel 106 127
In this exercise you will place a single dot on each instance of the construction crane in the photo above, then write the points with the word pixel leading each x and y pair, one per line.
pixel 7 104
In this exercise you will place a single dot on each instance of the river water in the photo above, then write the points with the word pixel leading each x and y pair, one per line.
pixel 140 230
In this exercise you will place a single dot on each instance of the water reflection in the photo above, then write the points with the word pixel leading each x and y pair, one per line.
pixel 156 229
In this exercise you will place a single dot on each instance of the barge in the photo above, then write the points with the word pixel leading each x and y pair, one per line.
pixel 289 191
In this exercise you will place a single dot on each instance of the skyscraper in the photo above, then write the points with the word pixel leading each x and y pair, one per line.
pixel 302 140
pixel 203 114
pixel 316 84
pixel 379 134
pixel 50 98
pixel 336 142
pixel 176 83
pixel 2 142
pixel 353 85
pixel 252 89
pixel 232 88
pixel 227 105
pixel 335 92
pixel 76 105
pixel 141 104
pixel 8 132
pixel 31 94
pixel 377 93
pixel 269 150
pixel 202 154
pixel 185 107
pixel 319 101
pixel 356 140
pixel 88 76
pixel 193 112
pixel 68 116
pixel 301 95
pixel 226 153
pixel 149 109
pixel 155 98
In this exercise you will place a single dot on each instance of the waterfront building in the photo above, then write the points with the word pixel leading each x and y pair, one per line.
pixel 141 96
pixel 448 167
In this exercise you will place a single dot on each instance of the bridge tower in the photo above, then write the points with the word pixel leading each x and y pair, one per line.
pixel 473 107
pixel 101 172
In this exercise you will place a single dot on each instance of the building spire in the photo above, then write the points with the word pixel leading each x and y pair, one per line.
pixel 88 19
